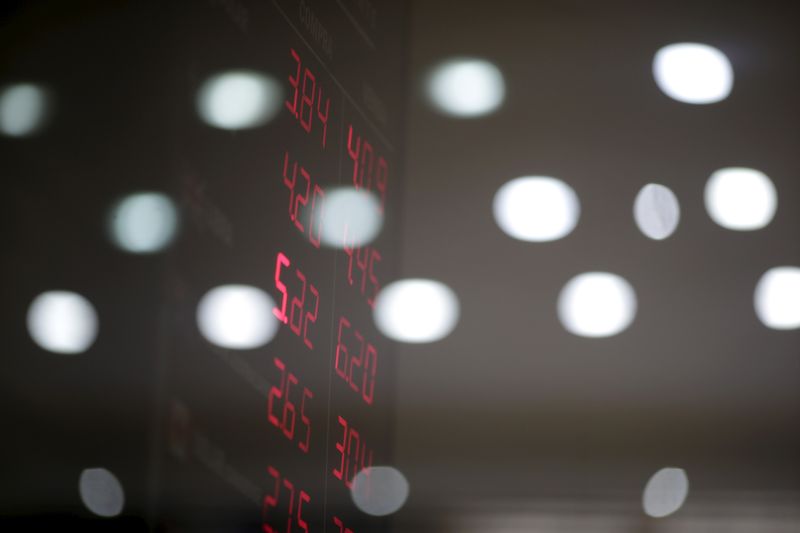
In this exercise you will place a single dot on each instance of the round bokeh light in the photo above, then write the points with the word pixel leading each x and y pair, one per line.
pixel 23 109
pixel 596 304
pixel 101 492
pixel 416 310
pixel 466 88
pixel 656 211
pixel 777 298
pixel 237 316
pixel 693 73
pixel 353 217
pixel 239 99
pixel 741 199
pixel 536 208
pixel 379 490
pixel 665 492
pixel 144 222
pixel 62 322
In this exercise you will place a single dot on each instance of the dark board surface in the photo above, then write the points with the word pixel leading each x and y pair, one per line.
pixel 184 425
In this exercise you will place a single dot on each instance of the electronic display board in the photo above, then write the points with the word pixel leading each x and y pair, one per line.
pixel 237 380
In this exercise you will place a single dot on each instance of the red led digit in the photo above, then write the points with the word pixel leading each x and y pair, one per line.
pixel 301 199
pixel 290 183
pixel 300 318
pixel 352 457
pixel 270 500
pixel 281 261
pixel 353 150
pixel 288 407
pixel 307 100
pixel 289 412
pixel 355 362
pixel 276 392
pixel 366 465
pixel 357 369
pixel 304 497
pixel 312 318
pixel 340 447
pixel 368 391
pixel 341 349
pixel 289 485
pixel 353 452
pixel 294 82
pixel 338 522
pixel 349 251
pixel 306 421
pixel 375 257
pixel 297 303
pixel 323 118
pixel 362 261
pixel 367 160
pixel 316 215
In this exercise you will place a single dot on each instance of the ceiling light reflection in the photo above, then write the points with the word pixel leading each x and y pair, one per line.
pixel 144 222
pixel 742 199
pixel 101 492
pixel 379 490
pixel 416 310
pixel 536 208
pixel 237 317
pixel 596 304
pixel 693 73
pixel 466 87
pixel 656 211
pixel 665 492
pixel 62 322
pixel 777 298
pixel 351 217
pixel 23 108
pixel 239 99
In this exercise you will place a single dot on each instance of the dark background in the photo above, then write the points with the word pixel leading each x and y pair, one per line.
pixel 513 424
pixel 508 424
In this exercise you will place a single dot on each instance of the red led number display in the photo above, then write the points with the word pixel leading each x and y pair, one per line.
pixel 302 312
pixel 306 100
pixel 275 509
pixel 356 360
pixel 370 171
pixel 361 267
pixel 299 182
pixel 282 411
pixel 353 455
pixel 338 523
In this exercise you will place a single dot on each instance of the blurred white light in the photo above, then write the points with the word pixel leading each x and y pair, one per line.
pixel 656 211
pixel 379 490
pixel 237 316
pixel 693 73
pixel 536 208
pixel 596 304
pixel 777 298
pixel 239 99
pixel 466 87
pixel 144 222
pixel 416 310
pixel 665 492
pixel 101 492
pixel 23 108
pixel 353 213
pixel 740 199
pixel 62 322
